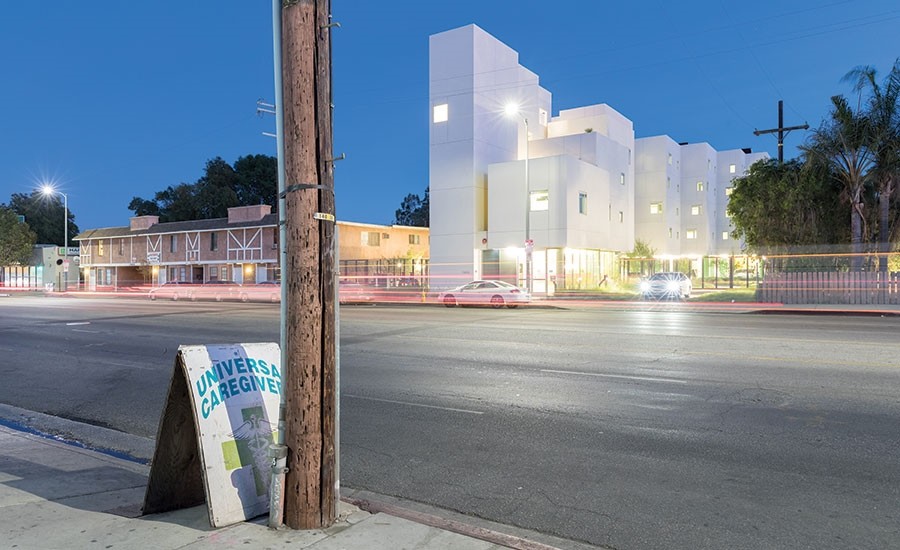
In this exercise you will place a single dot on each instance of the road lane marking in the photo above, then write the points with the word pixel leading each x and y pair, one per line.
pixel 413 404
pixel 627 377
pixel 78 323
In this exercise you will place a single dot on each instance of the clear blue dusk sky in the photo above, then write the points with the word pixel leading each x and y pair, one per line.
pixel 115 99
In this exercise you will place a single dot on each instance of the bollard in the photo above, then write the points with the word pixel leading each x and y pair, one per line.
pixel 278 454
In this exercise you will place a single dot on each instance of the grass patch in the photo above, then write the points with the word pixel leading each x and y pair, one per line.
pixel 732 295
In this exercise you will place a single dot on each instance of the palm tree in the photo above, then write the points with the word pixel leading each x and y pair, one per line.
pixel 842 143
pixel 884 118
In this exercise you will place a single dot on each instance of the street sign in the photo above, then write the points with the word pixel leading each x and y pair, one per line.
pixel 529 245
pixel 65 266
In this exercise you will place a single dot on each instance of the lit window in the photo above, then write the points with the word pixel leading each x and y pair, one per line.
pixel 695 210
pixel 729 191
pixel 440 113
pixel 414 239
pixel 99 248
pixel 621 217
pixel 690 234
pixel 725 235
pixel 732 168
pixel 699 186
pixel 582 203
pixel 622 178
pixel 540 200
pixel 656 208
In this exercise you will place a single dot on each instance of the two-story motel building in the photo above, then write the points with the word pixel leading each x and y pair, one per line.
pixel 242 248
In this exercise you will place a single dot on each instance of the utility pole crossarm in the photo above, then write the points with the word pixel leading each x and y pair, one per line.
pixel 781 130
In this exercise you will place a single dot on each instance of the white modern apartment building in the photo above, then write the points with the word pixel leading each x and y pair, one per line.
pixel 577 187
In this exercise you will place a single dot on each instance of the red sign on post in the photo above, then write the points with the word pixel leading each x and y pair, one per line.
pixel 529 245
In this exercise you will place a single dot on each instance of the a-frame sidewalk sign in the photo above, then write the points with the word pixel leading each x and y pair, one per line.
pixel 219 419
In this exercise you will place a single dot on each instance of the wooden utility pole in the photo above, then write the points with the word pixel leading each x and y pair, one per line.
pixel 310 494
pixel 781 131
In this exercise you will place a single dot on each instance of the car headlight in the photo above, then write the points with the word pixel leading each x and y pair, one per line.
pixel 645 286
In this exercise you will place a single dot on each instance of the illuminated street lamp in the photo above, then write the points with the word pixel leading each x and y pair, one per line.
pixel 48 190
pixel 513 110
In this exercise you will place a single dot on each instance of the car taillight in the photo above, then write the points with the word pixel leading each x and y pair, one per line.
pixel 514 291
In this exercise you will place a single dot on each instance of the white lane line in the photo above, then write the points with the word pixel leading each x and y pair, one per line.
pixel 645 378
pixel 412 404
pixel 78 323
pixel 87 331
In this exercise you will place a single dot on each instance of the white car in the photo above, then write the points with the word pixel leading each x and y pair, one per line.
pixel 494 293
pixel 668 285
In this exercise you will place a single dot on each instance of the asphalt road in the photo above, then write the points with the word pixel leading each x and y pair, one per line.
pixel 629 429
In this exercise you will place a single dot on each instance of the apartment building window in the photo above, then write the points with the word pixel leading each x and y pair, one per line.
pixel 670 158
pixel 695 209
pixel 670 232
pixel 732 168
pixel 540 200
pixel 691 234
pixel 542 117
pixel 121 247
pixel 414 239
pixel 582 203
pixel 622 178
pixel 668 182
pixel 656 207
pixel 629 157
pixel 699 186
pixel 725 235
pixel 609 212
pixel 441 113
pixel 678 211
pixel 621 217
pixel 173 243
pixel 99 248
pixel 729 191
pixel 213 241
pixel 370 238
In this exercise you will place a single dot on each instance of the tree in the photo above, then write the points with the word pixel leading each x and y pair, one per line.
pixel 777 206
pixel 842 145
pixel 257 180
pixel 252 180
pixel 414 211
pixel 884 119
pixel 45 216
pixel 16 239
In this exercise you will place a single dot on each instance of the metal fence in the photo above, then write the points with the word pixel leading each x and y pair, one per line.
pixel 832 287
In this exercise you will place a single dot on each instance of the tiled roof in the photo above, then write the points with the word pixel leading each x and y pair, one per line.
pixel 174 227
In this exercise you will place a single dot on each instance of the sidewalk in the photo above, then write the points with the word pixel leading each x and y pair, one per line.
pixel 55 495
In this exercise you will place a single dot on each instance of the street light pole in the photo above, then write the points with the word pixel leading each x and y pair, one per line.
pixel 529 246
pixel 49 190
pixel 512 109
